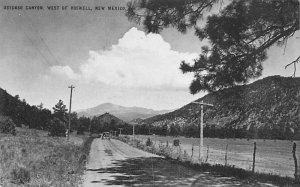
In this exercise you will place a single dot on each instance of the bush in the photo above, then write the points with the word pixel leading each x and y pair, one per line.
pixel 7 126
pixel 140 145
pixel 57 127
pixel 80 129
pixel 164 150
pixel 149 142
pixel 176 142
pixel 80 132
pixel 20 175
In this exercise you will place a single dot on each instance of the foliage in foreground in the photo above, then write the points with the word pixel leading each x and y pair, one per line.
pixel 239 35
pixel 57 127
pixel 34 159
pixel 7 125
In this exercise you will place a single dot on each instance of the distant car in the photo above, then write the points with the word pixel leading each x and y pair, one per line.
pixel 106 135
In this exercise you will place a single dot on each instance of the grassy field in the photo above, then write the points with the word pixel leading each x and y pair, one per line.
pixel 272 156
pixel 32 158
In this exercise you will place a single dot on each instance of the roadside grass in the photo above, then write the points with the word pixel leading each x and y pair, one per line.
pixel 175 155
pixel 32 158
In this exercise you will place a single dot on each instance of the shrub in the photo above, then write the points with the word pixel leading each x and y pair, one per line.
pixel 176 142
pixel 20 175
pixel 140 145
pixel 82 159
pixel 149 142
pixel 57 127
pixel 7 126
pixel 164 150
pixel 151 149
pixel 125 139
pixel 80 130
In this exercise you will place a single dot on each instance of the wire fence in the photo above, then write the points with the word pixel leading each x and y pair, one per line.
pixel 274 157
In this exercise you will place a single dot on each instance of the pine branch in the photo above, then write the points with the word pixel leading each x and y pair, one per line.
pixel 293 63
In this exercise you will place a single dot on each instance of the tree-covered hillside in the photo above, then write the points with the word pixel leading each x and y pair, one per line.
pixel 267 108
pixel 23 113
pixel 107 123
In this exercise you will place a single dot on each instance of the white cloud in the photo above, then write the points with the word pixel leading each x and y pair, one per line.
pixel 138 60
pixel 64 70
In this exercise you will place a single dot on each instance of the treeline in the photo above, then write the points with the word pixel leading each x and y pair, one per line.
pixel 252 132
pixel 213 131
pixel 56 121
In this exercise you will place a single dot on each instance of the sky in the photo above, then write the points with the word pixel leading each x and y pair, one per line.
pixel 106 57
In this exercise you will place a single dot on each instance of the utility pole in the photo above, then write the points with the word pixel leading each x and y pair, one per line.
pixel 133 130
pixel 201 127
pixel 68 134
pixel 120 130
pixel 90 127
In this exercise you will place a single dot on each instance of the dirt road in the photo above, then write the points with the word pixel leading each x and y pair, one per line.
pixel 114 163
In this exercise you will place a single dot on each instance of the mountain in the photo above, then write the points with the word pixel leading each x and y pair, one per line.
pixel 108 118
pixel 267 108
pixel 125 113
pixel 108 122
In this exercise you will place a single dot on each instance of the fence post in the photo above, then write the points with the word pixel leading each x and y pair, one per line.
pixel 254 152
pixel 226 155
pixel 192 150
pixel 207 153
pixel 295 161
pixel 199 155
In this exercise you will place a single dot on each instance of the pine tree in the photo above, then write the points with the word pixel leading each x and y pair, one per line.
pixel 60 111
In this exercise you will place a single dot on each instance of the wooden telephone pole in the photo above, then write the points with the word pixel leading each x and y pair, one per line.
pixel 90 127
pixel 133 129
pixel 201 127
pixel 120 131
pixel 68 134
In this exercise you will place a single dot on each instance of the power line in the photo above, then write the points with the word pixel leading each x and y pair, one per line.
pixel 41 38
pixel 33 44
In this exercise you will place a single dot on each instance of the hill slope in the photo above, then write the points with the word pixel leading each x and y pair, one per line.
pixel 269 104
pixel 107 118
pixel 23 113
pixel 125 113
pixel 4 99
pixel 109 122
